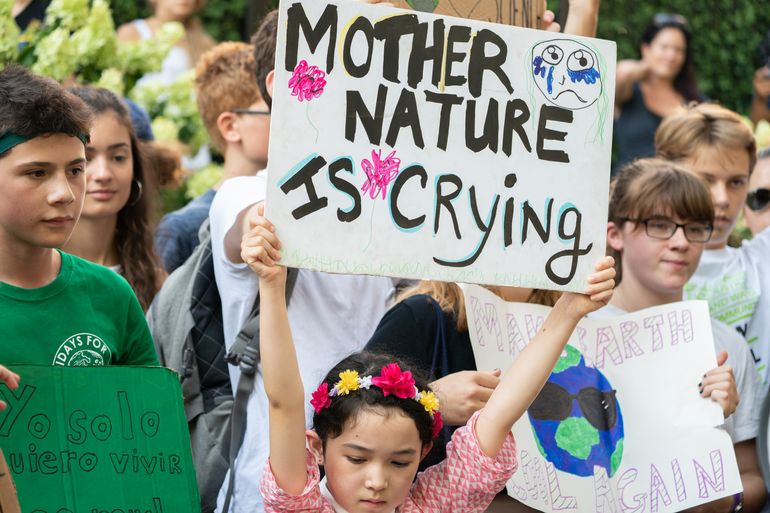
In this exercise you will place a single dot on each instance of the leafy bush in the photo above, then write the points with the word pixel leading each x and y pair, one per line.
pixel 224 20
pixel 726 34
pixel 726 38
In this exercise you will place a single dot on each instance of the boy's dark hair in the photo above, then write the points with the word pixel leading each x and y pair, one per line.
pixel 331 421
pixel 264 41
pixel 33 106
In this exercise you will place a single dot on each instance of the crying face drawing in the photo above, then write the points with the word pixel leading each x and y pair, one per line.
pixel 567 73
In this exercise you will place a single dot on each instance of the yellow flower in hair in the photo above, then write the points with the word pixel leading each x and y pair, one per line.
pixel 429 401
pixel 348 382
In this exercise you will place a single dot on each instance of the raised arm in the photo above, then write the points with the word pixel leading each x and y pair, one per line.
pixel 528 373
pixel 628 73
pixel 759 107
pixel 582 18
pixel 283 384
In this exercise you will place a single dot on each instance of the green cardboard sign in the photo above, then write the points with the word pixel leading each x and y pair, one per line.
pixel 98 440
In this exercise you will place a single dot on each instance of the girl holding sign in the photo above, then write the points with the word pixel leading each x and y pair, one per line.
pixel 374 422
pixel 660 219
pixel 428 327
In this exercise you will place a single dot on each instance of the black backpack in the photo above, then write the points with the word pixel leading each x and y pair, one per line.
pixel 186 323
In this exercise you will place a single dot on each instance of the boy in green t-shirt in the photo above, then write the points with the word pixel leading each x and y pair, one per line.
pixel 55 309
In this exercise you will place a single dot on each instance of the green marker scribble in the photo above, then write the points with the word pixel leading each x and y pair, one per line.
pixel 576 436
pixel 602 103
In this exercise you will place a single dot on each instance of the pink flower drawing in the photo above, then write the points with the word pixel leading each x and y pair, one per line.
pixel 307 82
pixel 379 173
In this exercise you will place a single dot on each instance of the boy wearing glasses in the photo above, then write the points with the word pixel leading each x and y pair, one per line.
pixel 757 211
pixel 715 144
pixel 237 119
pixel 660 220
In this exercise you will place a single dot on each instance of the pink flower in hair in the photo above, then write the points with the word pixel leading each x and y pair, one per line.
pixel 321 398
pixel 307 82
pixel 394 381
pixel 438 423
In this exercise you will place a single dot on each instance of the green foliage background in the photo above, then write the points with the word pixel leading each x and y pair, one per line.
pixel 224 19
pixel 726 37
pixel 726 33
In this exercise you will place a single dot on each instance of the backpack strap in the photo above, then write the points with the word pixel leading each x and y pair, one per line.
pixel 245 354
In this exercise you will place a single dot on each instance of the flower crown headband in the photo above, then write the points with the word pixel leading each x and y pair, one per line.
pixel 392 380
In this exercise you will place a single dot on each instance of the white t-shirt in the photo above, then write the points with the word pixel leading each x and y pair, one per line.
pixel 331 316
pixel 743 424
pixel 736 284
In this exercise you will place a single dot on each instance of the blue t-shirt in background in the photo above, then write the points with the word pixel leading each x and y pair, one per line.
pixel 176 236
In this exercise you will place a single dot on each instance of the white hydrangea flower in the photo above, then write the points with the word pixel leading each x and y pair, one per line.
pixel 112 79
pixel 56 57
pixel 165 129
pixel 68 14
pixel 9 41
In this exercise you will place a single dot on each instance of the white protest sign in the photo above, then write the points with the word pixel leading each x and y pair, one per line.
pixel 414 145
pixel 620 425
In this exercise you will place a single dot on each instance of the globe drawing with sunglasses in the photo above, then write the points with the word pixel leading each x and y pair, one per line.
pixel 758 199
pixel 576 418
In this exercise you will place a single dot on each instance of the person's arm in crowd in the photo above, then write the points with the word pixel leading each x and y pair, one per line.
pixel 759 107
pixel 242 225
pixel 464 393
pixel 628 73
pixel 582 18
pixel 528 373
pixel 11 380
pixel 754 491
pixel 280 370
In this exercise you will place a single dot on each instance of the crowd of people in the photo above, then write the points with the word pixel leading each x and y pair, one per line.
pixel 368 377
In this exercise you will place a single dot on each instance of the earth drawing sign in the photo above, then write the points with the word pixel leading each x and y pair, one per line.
pixel 602 435
pixel 408 144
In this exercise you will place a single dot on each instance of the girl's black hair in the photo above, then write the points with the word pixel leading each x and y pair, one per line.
pixel 331 421
pixel 684 82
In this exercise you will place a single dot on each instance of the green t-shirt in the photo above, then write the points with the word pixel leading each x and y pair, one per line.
pixel 87 316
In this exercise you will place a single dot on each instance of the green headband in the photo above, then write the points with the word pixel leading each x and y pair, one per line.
pixel 9 140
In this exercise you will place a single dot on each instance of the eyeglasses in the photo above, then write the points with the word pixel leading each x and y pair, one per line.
pixel 252 111
pixel 758 199
pixel 554 402
pixel 664 229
